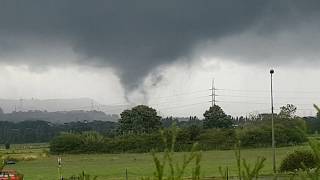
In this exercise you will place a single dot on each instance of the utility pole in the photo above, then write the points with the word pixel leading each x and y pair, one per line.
pixel 60 168
pixel 213 94
pixel 272 124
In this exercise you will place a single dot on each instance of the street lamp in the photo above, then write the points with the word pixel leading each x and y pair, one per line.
pixel 272 125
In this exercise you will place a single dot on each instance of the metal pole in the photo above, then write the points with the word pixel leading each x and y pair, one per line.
pixel 227 173
pixel 60 167
pixel 212 94
pixel 272 125
pixel 126 174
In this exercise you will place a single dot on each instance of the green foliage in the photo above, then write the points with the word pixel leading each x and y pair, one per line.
pixel 287 132
pixel 313 122
pixel 66 143
pixel 176 170
pixel 313 174
pixel 140 119
pixel 259 136
pixel 238 158
pixel 217 139
pixel 318 109
pixel 288 111
pixel 246 172
pixel 290 132
pixel 83 176
pixel 134 143
pixel 252 173
pixel 216 118
pixel 7 145
pixel 2 162
pixel 298 160
pixel 41 131
pixel 224 173
pixel 93 142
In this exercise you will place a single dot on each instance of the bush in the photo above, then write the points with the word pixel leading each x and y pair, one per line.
pixel 255 136
pixel 298 160
pixel 66 143
pixel 217 139
pixel 287 132
pixel 93 142
pixel 82 176
pixel 7 145
pixel 134 143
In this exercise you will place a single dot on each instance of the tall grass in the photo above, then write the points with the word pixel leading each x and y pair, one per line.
pixel 2 162
pixel 245 170
pixel 312 174
pixel 83 176
pixel 166 166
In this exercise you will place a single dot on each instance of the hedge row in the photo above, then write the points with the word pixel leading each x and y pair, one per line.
pixel 78 143
pixel 257 135
pixel 287 133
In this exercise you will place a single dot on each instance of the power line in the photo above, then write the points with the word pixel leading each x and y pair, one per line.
pixel 186 105
pixel 265 91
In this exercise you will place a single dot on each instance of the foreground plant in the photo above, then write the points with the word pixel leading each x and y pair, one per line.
pixel 83 176
pixel 312 174
pixel 176 170
pixel 2 162
pixel 245 171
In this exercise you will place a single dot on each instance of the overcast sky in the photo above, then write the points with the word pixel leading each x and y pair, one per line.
pixel 163 53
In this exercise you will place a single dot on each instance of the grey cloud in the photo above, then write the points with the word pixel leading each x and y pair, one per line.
pixel 136 37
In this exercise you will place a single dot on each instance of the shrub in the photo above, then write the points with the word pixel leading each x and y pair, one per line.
pixel 217 139
pixel 66 143
pixel 7 145
pixel 82 176
pixel 167 167
pixel 255 136
pixel 287 132
pixel 93 142
pixel 2 162
pixel 298 160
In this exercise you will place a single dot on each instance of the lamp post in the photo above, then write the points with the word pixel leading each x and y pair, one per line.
pixel 272 125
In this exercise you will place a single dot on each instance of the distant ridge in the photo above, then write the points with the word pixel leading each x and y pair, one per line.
pixel 54 105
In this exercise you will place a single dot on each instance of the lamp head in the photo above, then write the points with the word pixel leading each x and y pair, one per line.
pixel 271 71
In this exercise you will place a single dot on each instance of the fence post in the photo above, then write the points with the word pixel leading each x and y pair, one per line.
pixel 126 174
pixel 227 173
pixel 60 168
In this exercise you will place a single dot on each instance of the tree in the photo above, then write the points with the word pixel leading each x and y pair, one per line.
pixel 2 163
pixel 318 109
pixel 288 111
pixel 216 118
pixel 7 145
pixel 140 119
pixel 313 123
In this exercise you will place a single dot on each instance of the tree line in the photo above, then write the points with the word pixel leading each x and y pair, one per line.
pixel 38 131
pixel 140 128
pixel 58 117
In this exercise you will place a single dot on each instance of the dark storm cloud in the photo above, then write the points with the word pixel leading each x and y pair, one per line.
pixel 135 37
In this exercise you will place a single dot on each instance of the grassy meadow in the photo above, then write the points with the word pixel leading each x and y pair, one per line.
pixel 113 166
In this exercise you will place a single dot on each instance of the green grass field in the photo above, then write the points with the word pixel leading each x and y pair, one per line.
pixel 112 166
